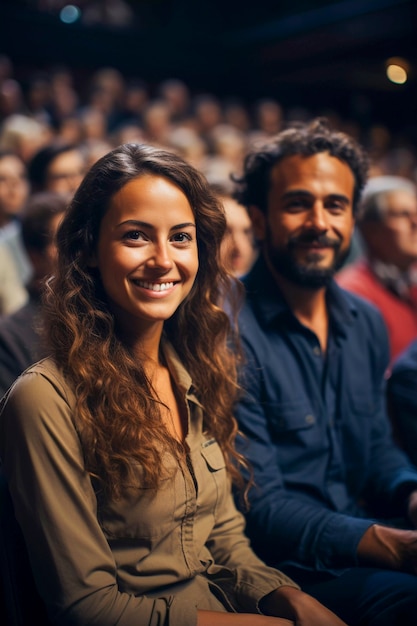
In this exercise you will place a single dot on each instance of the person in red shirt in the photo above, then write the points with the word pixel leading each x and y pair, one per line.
pixel 386 273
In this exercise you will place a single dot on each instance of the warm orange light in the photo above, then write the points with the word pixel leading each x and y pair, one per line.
pixel 397 70
pixel 397 74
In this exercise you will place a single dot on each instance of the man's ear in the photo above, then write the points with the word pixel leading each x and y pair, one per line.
pixel 258 219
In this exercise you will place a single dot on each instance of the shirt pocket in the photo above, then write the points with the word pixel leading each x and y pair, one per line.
pixel 214 483
pixel 295 431
pixel 213 455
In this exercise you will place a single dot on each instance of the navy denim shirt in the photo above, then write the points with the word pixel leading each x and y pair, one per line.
pixel 317 433
pixel 402 395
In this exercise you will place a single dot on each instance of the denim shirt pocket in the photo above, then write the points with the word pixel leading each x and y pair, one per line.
pixel 294 428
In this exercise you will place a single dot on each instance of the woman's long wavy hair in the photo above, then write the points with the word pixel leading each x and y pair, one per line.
pixel 117 415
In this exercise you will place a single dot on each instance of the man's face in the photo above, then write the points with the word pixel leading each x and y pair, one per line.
pixel 307 230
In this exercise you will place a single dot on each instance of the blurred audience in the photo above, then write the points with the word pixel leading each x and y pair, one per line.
pixel 387 273
pixel 57 167
pixel 24 135
pixel 13 294
pixel 14 191
pixel 238 247
pixel 20 343
pixel 58 121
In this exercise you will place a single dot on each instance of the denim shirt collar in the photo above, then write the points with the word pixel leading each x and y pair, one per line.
pixel 267 298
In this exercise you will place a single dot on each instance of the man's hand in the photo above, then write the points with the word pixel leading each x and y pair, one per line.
pixel 298 606
pixel 391 548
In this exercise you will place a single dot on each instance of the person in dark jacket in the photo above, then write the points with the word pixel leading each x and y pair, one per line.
pixel 402 399
pixel 312 408
pixel 20 344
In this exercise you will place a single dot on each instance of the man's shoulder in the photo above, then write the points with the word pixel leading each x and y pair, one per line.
pixel 407 360
pixel 359 304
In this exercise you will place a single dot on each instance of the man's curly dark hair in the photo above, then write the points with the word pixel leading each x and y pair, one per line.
pixel 304 139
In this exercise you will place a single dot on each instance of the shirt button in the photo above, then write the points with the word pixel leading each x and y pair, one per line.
pixel 310 419
pixel 317 351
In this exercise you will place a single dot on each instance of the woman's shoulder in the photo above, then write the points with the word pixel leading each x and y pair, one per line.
pixel 37 413
pixel 40 383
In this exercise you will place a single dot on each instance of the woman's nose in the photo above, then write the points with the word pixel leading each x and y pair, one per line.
pixel 160 256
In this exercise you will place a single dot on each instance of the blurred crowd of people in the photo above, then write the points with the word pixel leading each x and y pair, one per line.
pixel 52 131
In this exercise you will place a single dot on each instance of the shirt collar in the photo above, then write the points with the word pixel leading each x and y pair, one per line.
pixel 178 371
pixel 270 304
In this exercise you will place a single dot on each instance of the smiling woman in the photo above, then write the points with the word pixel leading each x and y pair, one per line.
pixel 147 254
pixel 122 481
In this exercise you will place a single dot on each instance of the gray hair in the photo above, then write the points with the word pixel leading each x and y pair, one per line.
pixel 372 206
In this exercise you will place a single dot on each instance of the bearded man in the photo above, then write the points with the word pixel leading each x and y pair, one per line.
pixel 329 480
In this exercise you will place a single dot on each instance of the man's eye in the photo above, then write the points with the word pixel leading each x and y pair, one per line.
pixel 336 207
pixel 296 204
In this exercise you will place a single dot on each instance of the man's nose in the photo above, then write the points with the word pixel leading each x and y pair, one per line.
pixel 318 217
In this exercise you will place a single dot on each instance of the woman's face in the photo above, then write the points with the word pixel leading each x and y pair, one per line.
pixel 147 252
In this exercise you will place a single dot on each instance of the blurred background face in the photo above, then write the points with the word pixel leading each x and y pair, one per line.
pixel 237 249
pixel 394 238
pixel 65 172
pixel 14 186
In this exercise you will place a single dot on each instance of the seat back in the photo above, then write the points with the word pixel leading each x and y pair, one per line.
pixel 21 604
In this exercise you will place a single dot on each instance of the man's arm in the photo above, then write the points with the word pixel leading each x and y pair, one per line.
pixel 281 524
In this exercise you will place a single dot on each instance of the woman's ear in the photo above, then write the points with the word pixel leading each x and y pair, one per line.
pixel 258 219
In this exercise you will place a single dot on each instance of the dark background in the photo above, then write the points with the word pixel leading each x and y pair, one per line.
pixel 320 55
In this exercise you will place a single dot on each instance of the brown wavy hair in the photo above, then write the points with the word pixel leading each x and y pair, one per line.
pixel 120 427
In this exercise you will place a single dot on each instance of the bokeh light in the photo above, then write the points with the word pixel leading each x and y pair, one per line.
pixel 69 14
pixel 397 70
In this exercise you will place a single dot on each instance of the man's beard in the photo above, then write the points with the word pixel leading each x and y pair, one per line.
pixel 308 274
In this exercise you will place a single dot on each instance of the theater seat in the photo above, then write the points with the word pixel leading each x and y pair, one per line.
pixel 20 602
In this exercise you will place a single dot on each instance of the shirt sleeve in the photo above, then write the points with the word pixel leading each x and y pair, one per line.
pixel 283 525
pixel 55 505
pixel 251 579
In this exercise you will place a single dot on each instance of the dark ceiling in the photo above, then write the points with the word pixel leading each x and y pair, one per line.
pixel 320 55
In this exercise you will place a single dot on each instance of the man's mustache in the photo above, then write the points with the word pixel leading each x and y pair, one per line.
pixel 320 240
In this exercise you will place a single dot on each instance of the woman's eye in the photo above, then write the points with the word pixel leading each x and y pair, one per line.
pixel 134 234
pixel 182 237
